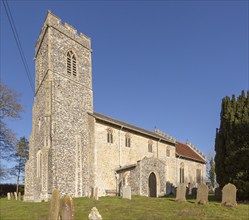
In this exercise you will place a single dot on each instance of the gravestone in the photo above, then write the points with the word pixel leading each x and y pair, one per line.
pixel 8 196
pixel 217 193
pixel 181 193
pixel 229 195
pixel 126 192
pixel 96 196
pixel 94 214
pixel 194 191
pixel 54 205
pixel 202 194
pixel 15 194
pixel 11 195
pixel 67 208
pixel 19 196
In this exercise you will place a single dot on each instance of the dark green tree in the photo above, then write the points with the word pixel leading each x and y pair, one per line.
pixel 20 158
pixel 232 144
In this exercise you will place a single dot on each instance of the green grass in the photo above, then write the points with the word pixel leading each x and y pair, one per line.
pixel 139 208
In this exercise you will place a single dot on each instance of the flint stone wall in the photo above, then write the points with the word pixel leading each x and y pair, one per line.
pixel 140 176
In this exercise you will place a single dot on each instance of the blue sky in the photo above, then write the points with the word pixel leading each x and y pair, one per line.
pixel 156 64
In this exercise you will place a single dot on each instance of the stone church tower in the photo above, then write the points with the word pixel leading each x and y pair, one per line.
pixel 60 153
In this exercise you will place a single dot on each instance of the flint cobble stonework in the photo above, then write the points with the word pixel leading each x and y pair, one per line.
pixel 69 149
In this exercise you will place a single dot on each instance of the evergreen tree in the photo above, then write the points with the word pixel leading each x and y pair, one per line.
pixel 232 144
pixel 20 157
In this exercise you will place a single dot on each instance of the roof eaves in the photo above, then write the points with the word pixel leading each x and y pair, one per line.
pixel 191 158
pixel 129 126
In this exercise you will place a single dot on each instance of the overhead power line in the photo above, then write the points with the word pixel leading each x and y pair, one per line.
pixel 19 46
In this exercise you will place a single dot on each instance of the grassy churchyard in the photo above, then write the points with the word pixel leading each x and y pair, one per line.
pixel 116 208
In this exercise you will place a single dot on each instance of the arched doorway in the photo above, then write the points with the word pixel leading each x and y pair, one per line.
pixel 152 185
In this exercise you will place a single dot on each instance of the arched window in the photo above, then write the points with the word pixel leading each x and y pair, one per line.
pixel 168 152
pixel 71 64
pixel 109 135
pixel 150 143
pixel 127 140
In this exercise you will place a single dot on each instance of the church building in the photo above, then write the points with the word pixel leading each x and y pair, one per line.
pixel 81 152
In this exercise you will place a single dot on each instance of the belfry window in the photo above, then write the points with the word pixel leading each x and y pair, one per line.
pixel 71 64
pixel 109 136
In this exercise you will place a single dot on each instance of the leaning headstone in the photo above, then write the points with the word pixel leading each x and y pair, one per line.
pixel 194 191
pixel 94 214
pixel 96 197
pixel 126 192
pixel 217 193
pixel 202 194
pixel 54 206
pixel 11 195
pixel 19 196
pixel 67 208
pixel 8 196
pixel 181 193
pixel 15 194
pixel 229 195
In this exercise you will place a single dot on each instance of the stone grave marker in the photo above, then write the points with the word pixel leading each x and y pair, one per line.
pixel 54 206
pixel 126 192
pixel 96 196
pixel 94 214
pixel 8 196
pixel 67 208
pixel 181 193
pixel 11 195
pixel 202 194
pixel 19 196
pixel 194 191
pixel 15 194
pixel 229 195
pixel 217 193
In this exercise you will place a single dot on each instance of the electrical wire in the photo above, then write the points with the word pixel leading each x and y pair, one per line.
pixel 19 46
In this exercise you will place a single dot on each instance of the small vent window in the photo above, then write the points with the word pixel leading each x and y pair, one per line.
pixel 109 136
pixel 71 64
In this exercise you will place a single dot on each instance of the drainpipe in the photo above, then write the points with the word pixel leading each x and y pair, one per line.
pixel 120 145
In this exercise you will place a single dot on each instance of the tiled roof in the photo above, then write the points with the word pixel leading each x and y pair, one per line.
pixel 129 126
pixel 183 150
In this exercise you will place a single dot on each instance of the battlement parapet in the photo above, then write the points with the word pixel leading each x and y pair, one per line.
pixel 163 134
pixel 55 22
pixel 196 150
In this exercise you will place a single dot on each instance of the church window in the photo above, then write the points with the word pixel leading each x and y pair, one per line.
pixel 198 175
pixel 127 140
pixel 182 173
pixel 71 64
pixel 150 146
pixel 109 136
pixel 168 152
